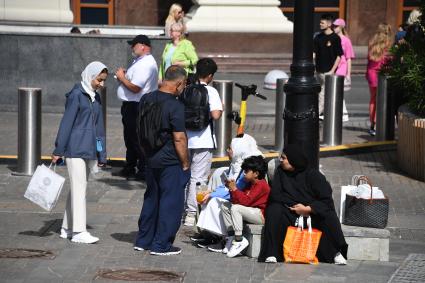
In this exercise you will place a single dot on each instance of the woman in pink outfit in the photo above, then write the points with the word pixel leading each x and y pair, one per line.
pixel 377 52
pixel 344 66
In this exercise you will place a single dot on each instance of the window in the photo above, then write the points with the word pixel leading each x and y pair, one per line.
pixel 94 12
pixel 333 7
pixel 405 7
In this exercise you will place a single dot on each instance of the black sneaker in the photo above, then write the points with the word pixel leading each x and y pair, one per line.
pixel 207 242
pixel 127 172
pixel 104 166
pixel 139 176
pixel 218 248
pixel 172 251
pixel 197 238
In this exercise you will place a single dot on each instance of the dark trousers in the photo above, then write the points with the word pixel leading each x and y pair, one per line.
pixel 162 209
pixel 133 155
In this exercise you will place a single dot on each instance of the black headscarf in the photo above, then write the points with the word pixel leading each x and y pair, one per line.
pixel 296 157
pixel 304 185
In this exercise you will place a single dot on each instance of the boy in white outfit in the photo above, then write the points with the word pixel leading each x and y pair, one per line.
pixel 201 143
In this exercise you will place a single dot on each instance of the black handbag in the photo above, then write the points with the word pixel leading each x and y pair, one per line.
pixel 366 212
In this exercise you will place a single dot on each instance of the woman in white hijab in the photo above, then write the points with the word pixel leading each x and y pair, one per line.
pixel 239 149
pixel 81 140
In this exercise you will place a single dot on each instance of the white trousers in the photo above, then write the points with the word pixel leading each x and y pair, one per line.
pixel 235 214
pixel 321 79
pixel 211 219
pixel 200 168
pixel 74 217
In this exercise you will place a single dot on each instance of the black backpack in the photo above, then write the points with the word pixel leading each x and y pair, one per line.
pixel 197 108
pixel 149 128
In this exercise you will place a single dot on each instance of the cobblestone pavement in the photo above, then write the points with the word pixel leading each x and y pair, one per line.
pixel 411 270
pixel 113 206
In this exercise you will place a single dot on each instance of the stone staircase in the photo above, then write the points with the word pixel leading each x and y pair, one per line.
pixel 262 62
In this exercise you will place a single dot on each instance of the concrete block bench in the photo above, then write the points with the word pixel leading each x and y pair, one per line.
pixel 367 243
pixel 253 234
pixel 363 243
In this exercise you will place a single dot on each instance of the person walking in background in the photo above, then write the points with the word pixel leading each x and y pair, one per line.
pixel 175 15
pixel 80 139
pixel 167 171
pixel 344 66
pixel 179 51
pixel 202 141
pixel 140 78
pixel 378 49
pixel 327 53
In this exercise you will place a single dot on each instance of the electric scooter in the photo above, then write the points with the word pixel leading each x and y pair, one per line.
pixel 240 117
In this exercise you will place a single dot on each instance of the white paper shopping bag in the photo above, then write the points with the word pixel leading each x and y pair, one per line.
pixel 344 191
pixel 45 187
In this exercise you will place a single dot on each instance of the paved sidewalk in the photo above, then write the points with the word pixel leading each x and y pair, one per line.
pixel 114 204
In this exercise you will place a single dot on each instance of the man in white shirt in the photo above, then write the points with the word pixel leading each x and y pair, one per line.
pixel 140 78
pixel 201 143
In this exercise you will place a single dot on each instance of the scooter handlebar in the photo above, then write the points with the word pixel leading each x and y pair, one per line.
pixel 261 96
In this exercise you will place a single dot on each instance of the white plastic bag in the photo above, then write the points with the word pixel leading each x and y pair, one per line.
pixel 359 191
pixel 45 187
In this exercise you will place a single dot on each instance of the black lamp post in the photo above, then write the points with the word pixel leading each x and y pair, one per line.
pixel 302 88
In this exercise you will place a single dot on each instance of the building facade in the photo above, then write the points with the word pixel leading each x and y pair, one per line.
pixel 362 16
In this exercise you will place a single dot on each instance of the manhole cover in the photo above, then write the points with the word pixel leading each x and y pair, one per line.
pixel 411 270
pixel 25 253
pixel 139 275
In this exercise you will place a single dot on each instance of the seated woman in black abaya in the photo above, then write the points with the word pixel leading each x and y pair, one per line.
pixel 298 190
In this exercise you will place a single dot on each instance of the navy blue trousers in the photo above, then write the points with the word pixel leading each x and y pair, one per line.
pixel 162 209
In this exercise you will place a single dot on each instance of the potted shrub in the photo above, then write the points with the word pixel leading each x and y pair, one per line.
pixel 407 72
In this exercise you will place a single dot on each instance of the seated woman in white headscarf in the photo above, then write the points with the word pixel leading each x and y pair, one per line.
pixel 210 218
pixel 239 149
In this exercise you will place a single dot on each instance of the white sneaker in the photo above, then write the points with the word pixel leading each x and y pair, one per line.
pixel 321 117
pixel 228 244
pixel 66 233
pixel 345 118
pixel 139 249
pixel 271 259
pixel 189 220
pixel 84 238
pixel 339 259
pixel 238 247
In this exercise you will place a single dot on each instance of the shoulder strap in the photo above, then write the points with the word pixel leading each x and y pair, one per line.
pixel 212 133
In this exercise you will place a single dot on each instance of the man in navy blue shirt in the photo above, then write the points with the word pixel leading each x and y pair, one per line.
pixel 167 171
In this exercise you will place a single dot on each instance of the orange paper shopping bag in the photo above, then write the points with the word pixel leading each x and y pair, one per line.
pixel 300 245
